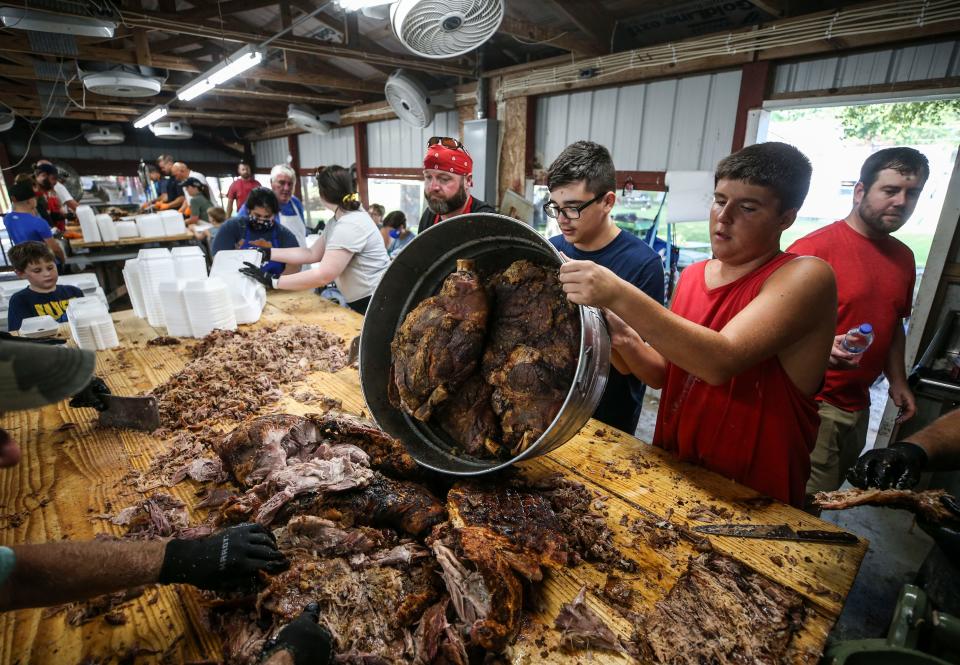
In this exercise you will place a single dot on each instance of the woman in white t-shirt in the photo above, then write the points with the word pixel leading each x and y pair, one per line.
pixel 350 251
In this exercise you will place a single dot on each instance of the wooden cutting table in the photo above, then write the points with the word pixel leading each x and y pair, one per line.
pixel 72 471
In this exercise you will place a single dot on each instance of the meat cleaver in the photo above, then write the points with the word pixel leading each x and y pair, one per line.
pixel 131 412
pixel 778 532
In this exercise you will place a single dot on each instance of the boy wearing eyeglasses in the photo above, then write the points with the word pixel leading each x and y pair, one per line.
pixel 582 183
pixel 743 349
pixel 447 179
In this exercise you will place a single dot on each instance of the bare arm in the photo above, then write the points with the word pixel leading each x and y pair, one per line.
pixel 631 355
pixel 941 441
pixel 57 249
pixel 798 300
pixel 334 262
pixel 300 255
pixel 895 369
pixel 385 234
pixel 60 572
pixel 230 200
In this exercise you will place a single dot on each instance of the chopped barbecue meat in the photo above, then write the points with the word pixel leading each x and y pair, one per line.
pixel 385 502
pixel 243 637
pixel 256 448
pixel 437 642
pixel 469 419
pixel 234 374
pixel 387 454
pixel 489 601
pixel 521 525
pixel 935 506
pixel 326 539
pixel 163 340
pixel 329 469
pixel 582 628
pixel 159 516
pixel 439 344
pixel 721 612
pixel 618 592
pixel 109 606
pixel 368 610
pixel 532 353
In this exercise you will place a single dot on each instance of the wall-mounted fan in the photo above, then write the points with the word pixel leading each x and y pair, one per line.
pixel 436 28
pixel 172 129
pixel 310 121
pixel 103 134
pixel 411 101
pixel 6 120
pixel 445 28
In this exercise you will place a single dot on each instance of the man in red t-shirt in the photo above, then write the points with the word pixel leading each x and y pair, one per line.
pixel 743 349
pixel 240 188
pixel 875 275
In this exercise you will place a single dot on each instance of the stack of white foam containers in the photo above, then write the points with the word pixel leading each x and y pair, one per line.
pixel 150 226
pixel 88 224
pixel 189 262
pixel 248 295
pixel 108 230
pixel 131 277
pixel 173 223
pixel 127 228
pixel 154 266
pixel 175 313
pixel 208 303
pixel 91 324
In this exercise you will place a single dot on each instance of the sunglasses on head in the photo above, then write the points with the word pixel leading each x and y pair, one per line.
pixel 446 142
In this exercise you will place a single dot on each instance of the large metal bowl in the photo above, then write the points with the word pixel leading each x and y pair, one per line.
pixel 493 242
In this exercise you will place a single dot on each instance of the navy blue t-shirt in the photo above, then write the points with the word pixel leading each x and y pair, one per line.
pixel 234 231
pixel 27 303
pixel 632 260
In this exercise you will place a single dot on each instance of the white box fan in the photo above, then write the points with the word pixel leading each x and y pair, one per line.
pixel 103 135
pixel 6 121
pixel 310 121
pixel 172 129
pixel 121 84
pixel 412 102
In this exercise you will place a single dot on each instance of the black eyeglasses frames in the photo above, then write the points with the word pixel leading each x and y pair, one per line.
pixel 552 210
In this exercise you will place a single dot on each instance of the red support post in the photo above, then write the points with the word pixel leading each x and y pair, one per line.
pixel 754 82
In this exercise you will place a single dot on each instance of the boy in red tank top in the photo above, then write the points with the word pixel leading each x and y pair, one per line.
pixel 743 349
pixel 875 275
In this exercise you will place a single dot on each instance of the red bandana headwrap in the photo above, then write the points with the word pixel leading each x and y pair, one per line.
pixel 444 159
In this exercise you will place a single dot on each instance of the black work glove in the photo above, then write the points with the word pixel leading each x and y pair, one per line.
pixel 264 252
pixel 223 561
pixel 308 642
pixel 898 467
pixel 90 396
pixel 254 272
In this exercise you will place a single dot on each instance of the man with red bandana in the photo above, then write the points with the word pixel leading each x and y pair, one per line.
pixel 447 179
pixel 875 275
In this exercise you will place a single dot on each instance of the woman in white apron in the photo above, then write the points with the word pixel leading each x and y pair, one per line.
pixel 350 251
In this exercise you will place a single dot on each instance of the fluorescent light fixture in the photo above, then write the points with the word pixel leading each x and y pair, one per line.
pixel 64 24
pixel 354 5
pixel 234 65
pixel 151 116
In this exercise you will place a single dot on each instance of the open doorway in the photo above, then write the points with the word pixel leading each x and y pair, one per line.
pixel 837 140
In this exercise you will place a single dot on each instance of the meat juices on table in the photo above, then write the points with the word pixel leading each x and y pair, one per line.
pixel 439 344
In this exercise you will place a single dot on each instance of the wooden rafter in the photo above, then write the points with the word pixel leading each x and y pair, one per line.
pixel 590 18
pixel 535 32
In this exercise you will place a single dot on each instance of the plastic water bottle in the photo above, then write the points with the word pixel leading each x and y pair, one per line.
pixel 858 339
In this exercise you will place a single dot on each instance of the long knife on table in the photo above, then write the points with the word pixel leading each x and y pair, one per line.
pixel 778 532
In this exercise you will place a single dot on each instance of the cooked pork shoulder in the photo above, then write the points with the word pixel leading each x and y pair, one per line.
pixel 532 354
pixel 399 504
pixel 469 419
pixel 439 343
pixel 255 448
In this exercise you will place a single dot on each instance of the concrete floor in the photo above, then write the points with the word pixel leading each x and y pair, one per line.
pixel 897 545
